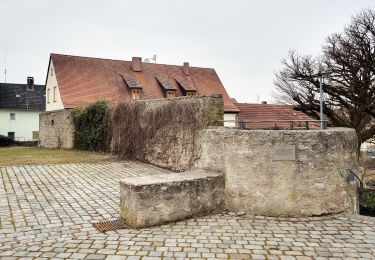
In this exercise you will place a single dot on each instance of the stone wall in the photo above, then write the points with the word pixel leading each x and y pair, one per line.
pixel 164 132
pixel 158 199
pixel 172 142
pixel 56 129
pixel 284 172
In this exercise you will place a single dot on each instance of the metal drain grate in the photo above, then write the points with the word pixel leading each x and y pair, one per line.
pixel 110 225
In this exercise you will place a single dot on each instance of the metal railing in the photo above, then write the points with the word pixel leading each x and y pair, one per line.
pixel 277 124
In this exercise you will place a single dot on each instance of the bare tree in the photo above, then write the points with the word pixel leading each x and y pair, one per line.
pixel 348 62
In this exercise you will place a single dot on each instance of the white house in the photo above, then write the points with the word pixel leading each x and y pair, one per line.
pixel 20 106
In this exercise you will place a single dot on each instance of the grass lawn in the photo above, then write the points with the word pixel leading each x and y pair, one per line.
pixel 36 155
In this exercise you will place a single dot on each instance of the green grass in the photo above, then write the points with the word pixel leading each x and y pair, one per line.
pixel 36 155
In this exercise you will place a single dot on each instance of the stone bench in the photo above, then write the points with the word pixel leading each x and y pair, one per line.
pixel 157 199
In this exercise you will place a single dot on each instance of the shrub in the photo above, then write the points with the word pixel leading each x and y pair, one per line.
pixel 92 129
pixel 5 141
pixel 367 202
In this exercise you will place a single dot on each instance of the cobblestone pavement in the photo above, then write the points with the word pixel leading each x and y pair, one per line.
pixel 46 213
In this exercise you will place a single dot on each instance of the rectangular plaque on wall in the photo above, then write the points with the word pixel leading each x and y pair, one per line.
pixel 284 153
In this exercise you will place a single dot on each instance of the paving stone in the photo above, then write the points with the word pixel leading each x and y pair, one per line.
pixel 47 212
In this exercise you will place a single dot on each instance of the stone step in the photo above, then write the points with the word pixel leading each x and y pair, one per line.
pixel 158 199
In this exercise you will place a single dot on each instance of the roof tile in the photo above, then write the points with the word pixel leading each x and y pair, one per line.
pixel 83 80
pixel 16 96
pixel 271 115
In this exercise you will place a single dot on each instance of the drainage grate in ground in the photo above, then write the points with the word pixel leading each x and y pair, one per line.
pixel 110 225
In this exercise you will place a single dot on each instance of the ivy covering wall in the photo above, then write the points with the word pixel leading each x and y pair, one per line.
pixel 162 132
pixel 92 127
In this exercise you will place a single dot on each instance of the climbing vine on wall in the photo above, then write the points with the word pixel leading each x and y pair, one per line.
pixel 163 133
pixel 92 127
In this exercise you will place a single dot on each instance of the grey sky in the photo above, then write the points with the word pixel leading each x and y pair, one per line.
pixel 243 40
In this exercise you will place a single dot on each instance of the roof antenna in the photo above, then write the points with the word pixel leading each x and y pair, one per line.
pixel 258 98
pixel 154 58
pixel 5 62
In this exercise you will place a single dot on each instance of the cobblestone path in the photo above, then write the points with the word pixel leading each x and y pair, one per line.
pixel 46 212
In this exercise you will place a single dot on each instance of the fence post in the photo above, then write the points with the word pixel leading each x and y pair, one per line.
pixel 291 125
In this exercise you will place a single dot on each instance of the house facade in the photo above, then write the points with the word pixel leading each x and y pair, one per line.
pixel 20 106
pixel 74 81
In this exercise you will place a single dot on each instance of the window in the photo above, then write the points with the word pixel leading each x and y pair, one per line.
pixel 54 93
pixel 12 116
pixel 51 71
pixel 190 93
pixel 47 95
pixel 35 135
pixel 136 94
pixel 171 94
pixel 11 135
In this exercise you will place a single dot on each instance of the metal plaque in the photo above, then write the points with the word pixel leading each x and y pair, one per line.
pixel 284 153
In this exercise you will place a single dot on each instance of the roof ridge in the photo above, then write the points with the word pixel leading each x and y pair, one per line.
pixel 108 59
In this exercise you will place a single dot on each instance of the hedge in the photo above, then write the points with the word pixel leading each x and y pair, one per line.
pixel 367 202
pixel 6 141
pixel 92 129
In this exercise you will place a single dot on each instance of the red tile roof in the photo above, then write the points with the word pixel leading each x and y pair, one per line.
pixel 83 80
pixel 269 115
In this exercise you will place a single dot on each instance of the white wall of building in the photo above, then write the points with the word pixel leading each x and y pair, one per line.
pixel 53 98
pixel 230 119
pixel 23 125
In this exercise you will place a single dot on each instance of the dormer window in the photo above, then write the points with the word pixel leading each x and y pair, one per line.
pixel 168 86
pixel 187 87
pixel 190 93
pixel 136 94
pixel 134 86
pixel 170 94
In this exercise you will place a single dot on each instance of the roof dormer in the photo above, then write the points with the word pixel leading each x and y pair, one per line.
pixel 134 86
pixel 168 85
pixel 187 87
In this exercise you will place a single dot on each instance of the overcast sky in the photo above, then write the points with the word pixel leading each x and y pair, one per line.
pixel 243 40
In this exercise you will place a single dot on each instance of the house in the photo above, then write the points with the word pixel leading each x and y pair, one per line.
pixel 20 106
pixel 268 116
pixel 74 81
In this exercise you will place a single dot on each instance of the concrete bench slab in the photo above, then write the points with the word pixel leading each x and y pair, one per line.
pixel 157 199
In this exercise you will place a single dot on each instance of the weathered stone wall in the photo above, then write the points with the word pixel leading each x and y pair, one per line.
pixel 56 129
pixel 164 132
pixel 263 177
pixel 158 199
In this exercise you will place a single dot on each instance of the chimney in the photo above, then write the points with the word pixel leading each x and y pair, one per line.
pixel 30 83
pixel 137 64
pixel 264 102
pixel 186 68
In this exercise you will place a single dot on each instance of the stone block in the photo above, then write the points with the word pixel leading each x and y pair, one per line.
pixel 284 172
pixel 157 199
